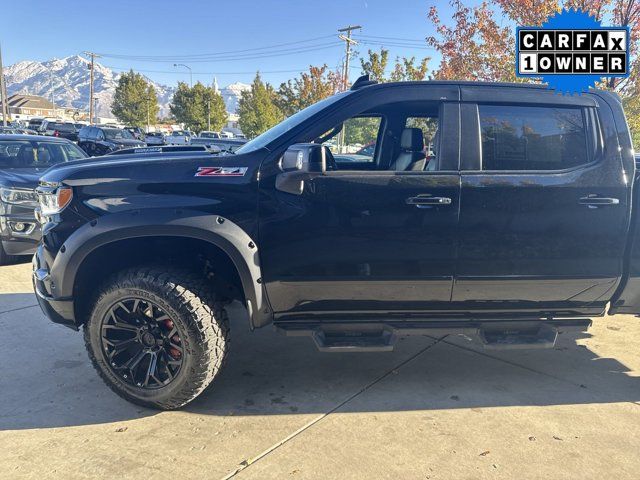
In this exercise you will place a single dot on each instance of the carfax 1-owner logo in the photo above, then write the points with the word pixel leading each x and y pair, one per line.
pixel 572 51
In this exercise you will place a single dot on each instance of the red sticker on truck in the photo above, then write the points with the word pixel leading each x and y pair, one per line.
pixel 221 171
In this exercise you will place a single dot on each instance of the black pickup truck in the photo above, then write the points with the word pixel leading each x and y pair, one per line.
pixel 502 210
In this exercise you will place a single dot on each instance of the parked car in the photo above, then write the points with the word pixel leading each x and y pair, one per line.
pixel 179 137
pixel 208 134
pixel 137 132
pixel 519 228
pixel 23 158
pixel 102 140
pixel 66 130
pixel 8 131
pixel 35 124
pixel 154 138
pixel 225 144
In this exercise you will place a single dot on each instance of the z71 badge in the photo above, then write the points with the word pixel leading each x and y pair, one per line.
pixel 221 171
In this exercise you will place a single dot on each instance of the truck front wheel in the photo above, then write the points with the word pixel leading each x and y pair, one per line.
pixel 157 336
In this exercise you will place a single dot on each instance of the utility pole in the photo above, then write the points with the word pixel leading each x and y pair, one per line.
pixel 3 94
pixel 345 77
pixel 348 42
pixel 91 65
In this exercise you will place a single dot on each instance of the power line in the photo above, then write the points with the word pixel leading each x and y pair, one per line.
pixel 209 73
pixel 421 40
pixel 253 56
pixel 243 52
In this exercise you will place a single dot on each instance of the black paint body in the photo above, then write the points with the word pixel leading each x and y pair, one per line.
pixel 509 245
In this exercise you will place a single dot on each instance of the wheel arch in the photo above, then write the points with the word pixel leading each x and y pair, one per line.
pixel 100 236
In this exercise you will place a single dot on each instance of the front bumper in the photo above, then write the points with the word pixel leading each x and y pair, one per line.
pixel 59 310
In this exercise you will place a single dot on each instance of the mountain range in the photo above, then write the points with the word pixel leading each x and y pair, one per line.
pixel 66 82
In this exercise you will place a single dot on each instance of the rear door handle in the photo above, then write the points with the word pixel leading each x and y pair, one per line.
pixel 426 200
pixel 594 201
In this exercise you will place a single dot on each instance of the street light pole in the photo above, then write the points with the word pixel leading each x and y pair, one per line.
pixel 188 68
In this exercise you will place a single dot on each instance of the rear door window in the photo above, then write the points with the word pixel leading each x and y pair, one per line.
pixel 532 138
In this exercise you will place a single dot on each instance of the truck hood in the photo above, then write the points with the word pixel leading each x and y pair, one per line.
pixel 163 168
pixel 20 177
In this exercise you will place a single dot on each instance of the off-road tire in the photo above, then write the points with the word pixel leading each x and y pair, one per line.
pixel 186 298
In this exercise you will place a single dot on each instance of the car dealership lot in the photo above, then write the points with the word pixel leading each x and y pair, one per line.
pixel 431 409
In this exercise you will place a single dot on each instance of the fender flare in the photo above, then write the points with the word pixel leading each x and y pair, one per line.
pixel 215 229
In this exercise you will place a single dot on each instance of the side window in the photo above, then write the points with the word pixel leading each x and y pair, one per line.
pixel 357 141
pixel 532 138
pixel 429 127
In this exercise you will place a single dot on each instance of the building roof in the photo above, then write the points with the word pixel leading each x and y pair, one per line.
pixel 20 100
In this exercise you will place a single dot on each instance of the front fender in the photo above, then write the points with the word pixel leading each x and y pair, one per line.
pixel 219 231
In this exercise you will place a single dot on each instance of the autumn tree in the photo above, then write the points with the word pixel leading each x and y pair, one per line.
pixel 473 46
pixel 404 69
pixel 311 87
pixel 199 107
pixel 135 102
pixel 376 64
pixel 258 108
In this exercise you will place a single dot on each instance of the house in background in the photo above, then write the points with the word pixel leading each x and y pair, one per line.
pixel 25 107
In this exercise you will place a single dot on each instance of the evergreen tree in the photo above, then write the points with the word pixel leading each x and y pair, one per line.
pixel 135 102
pixel 197 106
pixel 258 109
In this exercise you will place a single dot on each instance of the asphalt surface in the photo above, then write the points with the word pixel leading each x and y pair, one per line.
pixel 431 409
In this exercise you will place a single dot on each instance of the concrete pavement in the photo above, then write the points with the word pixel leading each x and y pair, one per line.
pixel 431 409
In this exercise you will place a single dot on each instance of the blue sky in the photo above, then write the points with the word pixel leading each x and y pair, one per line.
pixel 41 30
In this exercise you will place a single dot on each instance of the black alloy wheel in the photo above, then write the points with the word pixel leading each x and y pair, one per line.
pixel 157 335
pixel 142 344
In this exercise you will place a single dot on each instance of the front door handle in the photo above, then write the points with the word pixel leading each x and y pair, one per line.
pixel 594 201
pixel 426 200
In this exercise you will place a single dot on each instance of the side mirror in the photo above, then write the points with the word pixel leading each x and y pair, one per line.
pixel 303 157
pixel 298 163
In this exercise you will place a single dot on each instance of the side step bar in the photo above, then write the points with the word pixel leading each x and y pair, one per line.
pixel 381 337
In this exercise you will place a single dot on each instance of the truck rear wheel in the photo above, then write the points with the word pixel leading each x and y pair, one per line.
pixel 157 336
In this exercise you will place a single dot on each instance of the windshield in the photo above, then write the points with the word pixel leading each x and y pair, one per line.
pixel 283 127
pixel 36 154
pixel 117 134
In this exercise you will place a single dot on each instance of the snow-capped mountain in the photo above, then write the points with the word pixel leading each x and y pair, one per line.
pixel 66 81
pixel 231 95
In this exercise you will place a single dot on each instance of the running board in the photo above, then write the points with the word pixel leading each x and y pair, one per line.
pixel 381 337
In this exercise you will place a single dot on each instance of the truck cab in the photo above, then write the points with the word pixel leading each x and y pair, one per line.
pixel 502 210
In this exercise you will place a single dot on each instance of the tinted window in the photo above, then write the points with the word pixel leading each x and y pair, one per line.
pixel 33 154
pixel 532 138
pixel 116 134
pixel 357 142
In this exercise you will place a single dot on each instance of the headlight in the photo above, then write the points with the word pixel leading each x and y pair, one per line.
pixel 52 203
pixel 19 196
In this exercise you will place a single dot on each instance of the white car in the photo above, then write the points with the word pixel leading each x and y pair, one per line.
pixel 179 137
pixel 208 134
